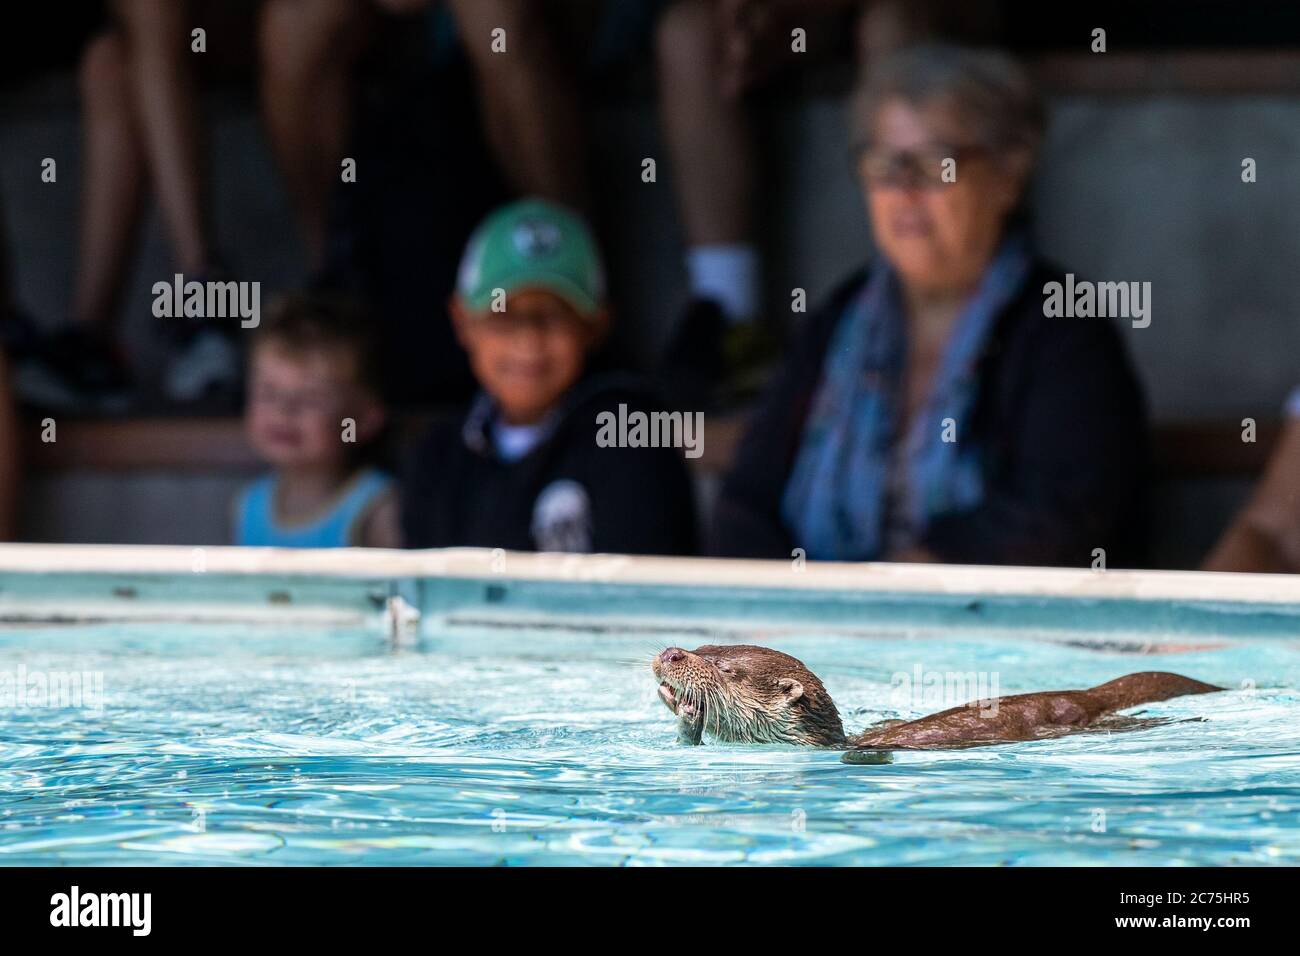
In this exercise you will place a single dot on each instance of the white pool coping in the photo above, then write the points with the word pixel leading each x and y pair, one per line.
pixel 479 563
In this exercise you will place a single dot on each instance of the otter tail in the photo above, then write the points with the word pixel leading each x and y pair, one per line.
pixel 1146 687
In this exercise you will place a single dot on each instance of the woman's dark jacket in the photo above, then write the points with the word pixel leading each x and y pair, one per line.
pixel 1058 411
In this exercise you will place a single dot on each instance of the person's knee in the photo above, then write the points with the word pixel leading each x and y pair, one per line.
pixel 151 24
pixel 297 40
pixel 687 36
pixel 102 73
pixel 886 25
pixel 523 25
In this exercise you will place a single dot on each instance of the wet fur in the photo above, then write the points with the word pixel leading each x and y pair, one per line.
pixel 746 694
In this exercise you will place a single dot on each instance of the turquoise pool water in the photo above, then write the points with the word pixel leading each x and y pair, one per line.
pixel 519 745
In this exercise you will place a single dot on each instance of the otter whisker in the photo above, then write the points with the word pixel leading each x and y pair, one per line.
pixel 716 711
pixel 637 661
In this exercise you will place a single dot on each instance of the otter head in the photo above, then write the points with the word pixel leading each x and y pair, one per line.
pixel 745 694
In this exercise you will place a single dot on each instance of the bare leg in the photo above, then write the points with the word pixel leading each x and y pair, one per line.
pixel 707 131
pixel 308 50
pixel 530 99
pixel 162 81
pixel 1028 716
pixel 708 134
pixel 702 111
pixel 885 25
pixel 112 182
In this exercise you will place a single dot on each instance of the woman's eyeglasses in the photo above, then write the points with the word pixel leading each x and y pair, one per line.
pixel 923 168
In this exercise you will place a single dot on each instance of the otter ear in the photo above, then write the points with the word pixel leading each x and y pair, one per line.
pixel 792 689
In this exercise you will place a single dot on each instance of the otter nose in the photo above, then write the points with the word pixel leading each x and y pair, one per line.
pixel 672 655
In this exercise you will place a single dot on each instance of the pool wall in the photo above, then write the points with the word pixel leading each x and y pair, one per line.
pixel 353 586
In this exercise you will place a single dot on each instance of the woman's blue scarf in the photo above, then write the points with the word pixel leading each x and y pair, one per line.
pixel 837 497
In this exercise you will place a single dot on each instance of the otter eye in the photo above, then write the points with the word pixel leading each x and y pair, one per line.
pixel 791 688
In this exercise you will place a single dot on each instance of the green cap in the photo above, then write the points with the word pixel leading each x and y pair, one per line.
pixel 532 244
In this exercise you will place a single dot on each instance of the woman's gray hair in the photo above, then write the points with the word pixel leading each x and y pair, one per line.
pixel 985 88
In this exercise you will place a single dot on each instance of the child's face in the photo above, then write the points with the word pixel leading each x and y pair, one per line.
pixel 297 403
pixel 529 355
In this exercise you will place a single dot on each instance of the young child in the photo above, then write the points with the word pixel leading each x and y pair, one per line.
pixel 524 469
pixel 313 408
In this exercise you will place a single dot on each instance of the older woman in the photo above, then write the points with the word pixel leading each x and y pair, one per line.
pixel 931 411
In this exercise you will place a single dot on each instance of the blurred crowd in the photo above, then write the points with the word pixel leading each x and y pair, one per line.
pixel 929 410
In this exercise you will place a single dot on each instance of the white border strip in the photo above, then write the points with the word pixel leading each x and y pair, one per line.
pixel 481 563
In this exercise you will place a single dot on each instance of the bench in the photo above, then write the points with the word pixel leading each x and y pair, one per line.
pixel 1184 450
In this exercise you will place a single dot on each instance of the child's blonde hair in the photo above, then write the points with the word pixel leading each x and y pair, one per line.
pixel 312 321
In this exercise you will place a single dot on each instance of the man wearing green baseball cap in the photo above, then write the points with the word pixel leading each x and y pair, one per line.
pixel 524 470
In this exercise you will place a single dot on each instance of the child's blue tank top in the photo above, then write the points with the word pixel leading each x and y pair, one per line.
pixel 255 524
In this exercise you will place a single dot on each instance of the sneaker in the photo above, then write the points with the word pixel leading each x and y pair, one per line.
pixel 68 370
pixel 712 363
pixel 205 367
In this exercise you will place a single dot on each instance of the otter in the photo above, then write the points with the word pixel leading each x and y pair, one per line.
pixel 742 693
